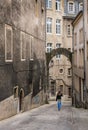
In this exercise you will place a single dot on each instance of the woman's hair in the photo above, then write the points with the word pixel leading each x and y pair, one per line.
pixel 59 92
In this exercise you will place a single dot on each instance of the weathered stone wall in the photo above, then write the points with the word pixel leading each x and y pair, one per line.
pixel 8 107
pixel 28 17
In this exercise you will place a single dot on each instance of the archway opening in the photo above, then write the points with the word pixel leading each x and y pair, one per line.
pixel 62 73
pixel 21 100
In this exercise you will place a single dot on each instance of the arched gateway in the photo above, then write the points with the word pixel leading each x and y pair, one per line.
pixel 54 52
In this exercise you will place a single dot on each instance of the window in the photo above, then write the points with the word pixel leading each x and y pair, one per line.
pixel 8 43
pixel 70 7
pixel 69 71
pixel 42 6
pixel 58 45
pixel 75 58
pixel 82 54
pixel 23 47
pixel 36 8
pixel 51 63
pixel 61 71
pixel 75 38
pixel 49 25
pixel 31 49
pixel 81 35
pixel 49 4
pixel 53 89
pixel 15 91
pixel 68 30
pixel 49 47
pixel 58 26
pixel 79 59
pixel 58 5
pixel 80 6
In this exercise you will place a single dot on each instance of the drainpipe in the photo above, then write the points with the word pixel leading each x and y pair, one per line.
pixel 85 90
pixel 72 66
pixel 47 68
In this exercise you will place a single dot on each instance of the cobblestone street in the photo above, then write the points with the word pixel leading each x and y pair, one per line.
pixel 47 117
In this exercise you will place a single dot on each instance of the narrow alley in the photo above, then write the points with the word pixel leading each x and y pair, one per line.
pixel 47 117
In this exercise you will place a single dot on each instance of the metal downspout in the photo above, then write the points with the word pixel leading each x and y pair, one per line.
pixel 85 89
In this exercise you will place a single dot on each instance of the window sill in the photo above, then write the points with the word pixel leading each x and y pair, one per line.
pixel 49 8
pixel 69 76
pixel 58 34
pixel 69 35
pixel 49 33
pixel 23 59
pixel 8 62
pixel 58 10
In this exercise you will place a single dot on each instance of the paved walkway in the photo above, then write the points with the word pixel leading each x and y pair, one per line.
pixel 47 117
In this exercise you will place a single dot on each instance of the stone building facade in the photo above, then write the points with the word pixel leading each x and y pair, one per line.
pixel 80 70
pixel 78 60
pixel 81 58
pixel 22 55
pixel 85 21
pixel 59 16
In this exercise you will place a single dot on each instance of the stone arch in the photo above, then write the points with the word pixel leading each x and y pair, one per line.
pixel 54 52
pixel 62 51
pixel 21 99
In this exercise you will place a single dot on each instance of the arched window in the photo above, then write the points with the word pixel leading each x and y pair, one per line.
pixel 15 91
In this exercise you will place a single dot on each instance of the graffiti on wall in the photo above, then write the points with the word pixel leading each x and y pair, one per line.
pixel 36 100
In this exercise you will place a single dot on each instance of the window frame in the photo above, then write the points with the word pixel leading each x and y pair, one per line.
pixel 58 5
pixel 22 59
pixel 49 47
pixel 58 27
pixel 69 72
pixel 49 25
pixel 75 38
pixel 9 28
pixel 48 4
pixel 15 92
pixel 69 7
pixel 62 71
pixel 80 6
pixel 58 56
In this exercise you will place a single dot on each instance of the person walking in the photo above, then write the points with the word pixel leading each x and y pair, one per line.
pixel 58 99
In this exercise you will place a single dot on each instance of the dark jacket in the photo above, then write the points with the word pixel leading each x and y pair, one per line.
pixel 58 96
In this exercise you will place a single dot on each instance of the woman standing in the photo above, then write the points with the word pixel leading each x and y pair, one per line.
pixel 58 99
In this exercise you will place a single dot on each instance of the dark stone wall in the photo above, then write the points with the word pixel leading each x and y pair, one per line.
pixel 27 16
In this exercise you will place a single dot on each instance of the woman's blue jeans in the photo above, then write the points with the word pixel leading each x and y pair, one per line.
pixel 59 105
